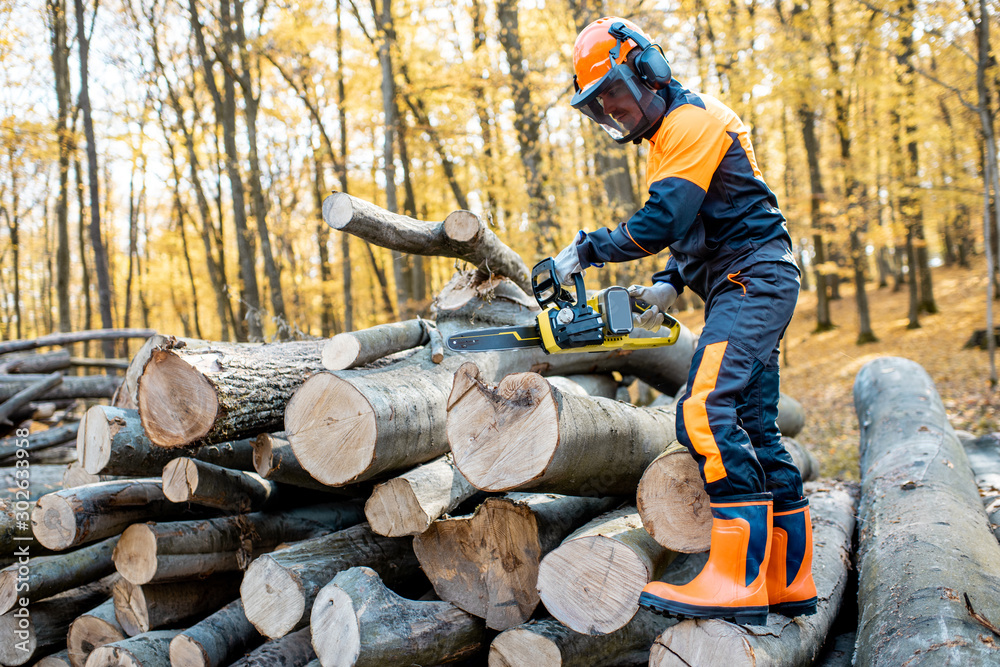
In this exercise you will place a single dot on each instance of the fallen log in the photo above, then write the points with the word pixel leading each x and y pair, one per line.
pixel 791 416
pixel 71 517
pixel 20 484
pixel 28 633
pixel 357 622
pixel 158 552
pixel 73 337
pixel 191 481
pixel 92 629
pixel 783 641
pixel 112 442
pixel 526 434
pixel 927 558
pixel 150 606
pixel 602 386
pixel 462 235
pixel 217 640
pixel 40 362
pixel 75 475
pixel 28 394
pixel 50 575
pixel 984 458
pixel 60 659
pixel 673 504
pixel 86 386
pixel 803 459
pixel 39 440
pixel 84 362
pixel 150 649
pixel 592 581
pixel 293 650
pixel 216 392
pixel 357 348
pixel 279 588
pixel 15 534
pixel 406 505
pixel 275 460
pixel 839 652
pixel 486 563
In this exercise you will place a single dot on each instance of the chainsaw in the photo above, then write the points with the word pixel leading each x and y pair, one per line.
pixel 599 324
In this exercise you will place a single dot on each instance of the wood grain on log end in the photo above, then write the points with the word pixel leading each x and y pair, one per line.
pixel 187 651
pixel 504 436
pixel 673 504
pixel 341 352
pixel 91 630
pixel 53 522
pixel 340 637
pixel 178 405
pixel 180 480
pixel 462 226
pixel 60 659
pixel 16 637
pixel 517 647
pixel 393 510
pixel 715 643
pixel 93 440
pixel 329 421
pixel 150 649
pixel 263 450
pixel 135 554
pixel 338 210
pixel 272 597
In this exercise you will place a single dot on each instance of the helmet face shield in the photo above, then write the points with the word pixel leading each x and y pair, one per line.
pixel 621 104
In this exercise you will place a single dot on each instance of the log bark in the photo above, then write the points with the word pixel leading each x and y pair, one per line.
pixel 112 442
pixel 925 541
pixel 791 416
pixel 408 504
pixel 526 434
pixel 73 337
pixel 150 649
pixel 143 608
pixel 87 386
pixel 279 588
pixel 984 458
pixel 217 640
pixel 60 659
pixel 357 348
pixel 221 391
pixel 41 479
pixel 85 362
pixel 92 629
pixel 75 475
pixel 462 235
pixel 43 362
pixel 40 440
pixel 24 637
pixel 14 536
pixel 191 481
pixel 357 622
pixel 293 650
pixel 71 517
pixel 158 552
pixel 602 386
pixel 783 641
pixel 592 581
pixel 28 394
pixel 486 563
pixel 275 460
pixel 804 460
pixel 50 575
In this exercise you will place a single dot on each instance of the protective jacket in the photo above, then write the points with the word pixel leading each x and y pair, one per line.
pixel 707 200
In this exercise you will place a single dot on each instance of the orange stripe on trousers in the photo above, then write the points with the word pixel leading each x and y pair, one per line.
pixel 696 414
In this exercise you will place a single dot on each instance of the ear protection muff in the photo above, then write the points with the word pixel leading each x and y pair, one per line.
pixel 651 64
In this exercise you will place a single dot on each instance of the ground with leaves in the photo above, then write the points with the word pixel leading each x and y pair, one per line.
pixel 818 369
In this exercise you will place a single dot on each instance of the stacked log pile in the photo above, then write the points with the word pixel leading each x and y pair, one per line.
pixel 377 500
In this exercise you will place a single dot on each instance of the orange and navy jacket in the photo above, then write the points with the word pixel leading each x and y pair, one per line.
pixel 707 200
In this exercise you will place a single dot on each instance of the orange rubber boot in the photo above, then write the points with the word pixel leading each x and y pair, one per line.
pixel 790 587
pixel 733 583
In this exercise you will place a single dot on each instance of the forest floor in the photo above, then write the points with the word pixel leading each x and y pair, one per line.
pixel 818 369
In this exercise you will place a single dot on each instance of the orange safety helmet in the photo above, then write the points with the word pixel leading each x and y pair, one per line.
pixel 624 102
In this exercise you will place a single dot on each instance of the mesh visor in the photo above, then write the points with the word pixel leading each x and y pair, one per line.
pixel 620 104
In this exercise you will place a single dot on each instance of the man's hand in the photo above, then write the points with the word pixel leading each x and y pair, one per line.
pixel 568 261
pixel 660 296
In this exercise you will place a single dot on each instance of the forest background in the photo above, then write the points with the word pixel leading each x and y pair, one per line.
pixel 163 162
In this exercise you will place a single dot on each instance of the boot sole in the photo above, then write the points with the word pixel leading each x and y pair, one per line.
pixel 740 615
pixel 793 609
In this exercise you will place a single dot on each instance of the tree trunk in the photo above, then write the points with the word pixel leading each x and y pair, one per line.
pixel 150 649
pixel 50 575
pixel 487 563
pixel 72 517
pixel 526 434
pixel 408 504
pixel 56 14
pixel 191 481
pixel 42 362
pixel 215 641
pixel 785 641
pixel 92 629
pixel 113 442
pixel 73 337
pixel 292 650
pixel 26 395
pixel 150 606
pixel 358 622
pixel 357 348
pixel 461 235
pixel 221 391
pixel 39 440
pixel 279 588
pixel 927 557
pixel 592 581
pixel 88 386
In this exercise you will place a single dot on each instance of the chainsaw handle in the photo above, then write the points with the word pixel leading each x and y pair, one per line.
pixel 546 288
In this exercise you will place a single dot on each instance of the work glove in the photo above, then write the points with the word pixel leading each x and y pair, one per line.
pixel 660 296
pixel 568 261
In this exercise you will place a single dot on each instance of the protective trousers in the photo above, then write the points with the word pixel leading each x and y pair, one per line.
pixel 728 416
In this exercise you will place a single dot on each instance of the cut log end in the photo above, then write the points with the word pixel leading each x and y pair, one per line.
pixel 180 479
pixel 394 511
pixel 462 226
pixel 189 652
pixel 341 352
pixel 135 554
pixel 272 598
pixel 11 652
pixel 714 642
pixel 112 656
pixel 516 648
pixel 340 640
pixel 88 633
pixel 327 420
pixel 263 450
pixel 53 522
pixel 490 428
pixel 338 210
pixel 616 594
pixel 178 405
pixel 131 609
pixel 672 502
pixel 93 440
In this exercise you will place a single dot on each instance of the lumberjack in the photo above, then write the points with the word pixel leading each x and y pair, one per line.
pixel 729 244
